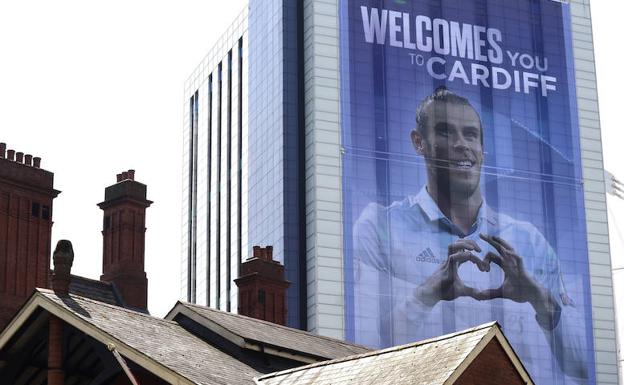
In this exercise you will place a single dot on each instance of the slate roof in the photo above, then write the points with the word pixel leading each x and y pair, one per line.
pixel 164 342
pixel 97 290
pixel 429 362
pixel 173 353
pixel 267 333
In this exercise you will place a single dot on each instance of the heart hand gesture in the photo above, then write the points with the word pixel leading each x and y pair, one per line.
pixel 444 283
pixel 518 286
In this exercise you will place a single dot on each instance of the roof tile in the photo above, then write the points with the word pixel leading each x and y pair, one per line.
pixel 280 336
pixel 429 362
pixel 162 341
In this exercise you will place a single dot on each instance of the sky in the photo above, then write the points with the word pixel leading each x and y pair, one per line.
pixel 96 88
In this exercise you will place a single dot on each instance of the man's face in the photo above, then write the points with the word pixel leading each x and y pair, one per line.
pixel 452 147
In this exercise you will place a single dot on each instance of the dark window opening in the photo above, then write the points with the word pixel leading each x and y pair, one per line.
pixel 218 192
pixel 239 193
pixel 192 204
pixel 35 209
pixel 107 222
pixel 209 169
pixel 228 236
pixel 261 296
pixel 45 212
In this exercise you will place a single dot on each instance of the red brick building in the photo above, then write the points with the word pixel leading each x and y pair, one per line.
pixel 26 207
pixel 26 197
pixel 199 345
pixel 85 331
pixel 477 356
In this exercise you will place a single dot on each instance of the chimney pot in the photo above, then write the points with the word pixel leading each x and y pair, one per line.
pixel 124 175
pixel 11 155
pixel 63 260
pixel 37 162
pixel 131 174
pixel 264 253
pixel 2 150
pixel 28 160
pixel 19 157
pixel 118 178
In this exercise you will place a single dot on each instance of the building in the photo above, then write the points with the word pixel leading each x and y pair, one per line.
pixel 84 331
pixel 299 132
pixel 64 350
pixel 96 342
pixel 26 198
pixel 64 336
pixel 441 360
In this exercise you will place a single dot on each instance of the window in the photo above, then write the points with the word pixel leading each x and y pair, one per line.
pixel 261 296
pixel 45 212
pixel 192 209
pixel 35 208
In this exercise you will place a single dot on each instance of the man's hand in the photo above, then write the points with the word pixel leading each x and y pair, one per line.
pixel 444 283
pixel 518 286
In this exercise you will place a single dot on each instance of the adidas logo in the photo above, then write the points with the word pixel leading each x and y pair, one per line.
pixel 428 256
pixel 427 253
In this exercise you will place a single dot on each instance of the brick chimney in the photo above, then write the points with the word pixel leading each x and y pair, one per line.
pixel 124 239
pixel 61 277
pixel 26 195
pixel 262 287
pixel 63 261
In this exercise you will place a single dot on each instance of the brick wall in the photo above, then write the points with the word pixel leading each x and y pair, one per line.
pixel 26 194
pixel 491 367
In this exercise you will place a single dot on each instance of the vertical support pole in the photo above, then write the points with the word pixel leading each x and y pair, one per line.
pixel 56 376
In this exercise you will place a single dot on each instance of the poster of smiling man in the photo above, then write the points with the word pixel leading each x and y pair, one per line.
pixel 462 187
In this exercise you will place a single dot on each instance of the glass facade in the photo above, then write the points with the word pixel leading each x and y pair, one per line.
pixel 228 159
pixel 292 131
pixel 275 147
pixel 214 203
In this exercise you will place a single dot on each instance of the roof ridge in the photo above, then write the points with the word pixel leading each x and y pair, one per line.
pixel 91 279
pixel 275 325
pixel 382 351
pixel 106 334
pixel 48 291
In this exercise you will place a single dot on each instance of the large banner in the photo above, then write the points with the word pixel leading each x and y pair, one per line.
pixel 462 188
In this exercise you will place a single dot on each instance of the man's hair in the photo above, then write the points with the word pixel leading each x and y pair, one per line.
pixel 440 95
